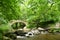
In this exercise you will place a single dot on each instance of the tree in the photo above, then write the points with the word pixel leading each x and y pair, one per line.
pixel 41 12
pixel 36 13
pixel 9 9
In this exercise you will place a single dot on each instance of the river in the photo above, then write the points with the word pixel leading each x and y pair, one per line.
pixel 43 37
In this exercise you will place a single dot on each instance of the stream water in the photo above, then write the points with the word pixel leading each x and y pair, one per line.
pixel 43 37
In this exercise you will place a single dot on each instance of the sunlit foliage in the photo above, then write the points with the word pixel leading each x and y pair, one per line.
pixel 36 13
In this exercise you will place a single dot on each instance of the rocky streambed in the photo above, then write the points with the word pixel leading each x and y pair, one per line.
pixel 37 34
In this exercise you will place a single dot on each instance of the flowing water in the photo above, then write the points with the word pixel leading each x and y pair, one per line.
pixel 43 37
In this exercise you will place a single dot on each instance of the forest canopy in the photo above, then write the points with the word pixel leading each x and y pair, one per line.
pixel 36 13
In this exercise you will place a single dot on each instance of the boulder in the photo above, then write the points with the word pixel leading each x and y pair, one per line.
pixel 29 34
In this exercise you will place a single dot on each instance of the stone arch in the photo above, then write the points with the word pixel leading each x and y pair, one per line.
pixel 12 22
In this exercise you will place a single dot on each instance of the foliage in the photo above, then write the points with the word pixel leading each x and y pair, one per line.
pixel 39 13
pixel 54 30
pixel 9 9
pixel 4 28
